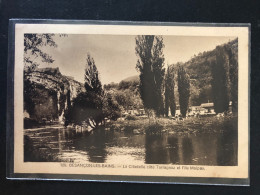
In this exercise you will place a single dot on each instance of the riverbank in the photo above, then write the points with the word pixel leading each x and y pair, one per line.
pixel 164 125
pixel 168 125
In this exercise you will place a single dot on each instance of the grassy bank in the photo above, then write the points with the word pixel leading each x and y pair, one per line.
pixel 167 125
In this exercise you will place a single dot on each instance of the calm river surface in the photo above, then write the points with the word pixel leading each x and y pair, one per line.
pixel 101 146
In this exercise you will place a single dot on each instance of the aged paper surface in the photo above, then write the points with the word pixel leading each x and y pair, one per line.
pixel 131 168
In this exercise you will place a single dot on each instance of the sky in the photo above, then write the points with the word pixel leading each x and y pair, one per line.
pixel 114 55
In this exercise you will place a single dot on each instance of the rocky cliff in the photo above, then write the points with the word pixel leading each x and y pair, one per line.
pixel 47 92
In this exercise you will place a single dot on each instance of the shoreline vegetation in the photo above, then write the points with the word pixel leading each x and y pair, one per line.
pixel 206 124
pixel 137 125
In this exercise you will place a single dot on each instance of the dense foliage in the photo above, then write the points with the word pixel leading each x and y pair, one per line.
pixel 87 107
pixel 201 73
pixel 111 108
pixel 126 94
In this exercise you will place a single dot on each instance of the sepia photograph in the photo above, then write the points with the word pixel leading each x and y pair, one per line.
pixel 152 104
pixel 141 99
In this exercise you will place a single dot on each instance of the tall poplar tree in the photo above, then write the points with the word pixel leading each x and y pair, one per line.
pixel 220 82
pixel 169 91
pixel 150 64
pixel 232 53
pixel 92 82
pixel 184 90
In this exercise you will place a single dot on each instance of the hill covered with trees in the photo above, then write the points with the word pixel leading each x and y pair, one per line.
pixel 126 93
pixel 210 76
pixel 211 70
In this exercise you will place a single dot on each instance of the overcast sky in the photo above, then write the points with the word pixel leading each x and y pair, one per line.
pixel 115 54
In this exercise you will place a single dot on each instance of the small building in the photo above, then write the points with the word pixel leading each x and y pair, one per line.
pixel 141 112
pixel 208 107
pixel 136 112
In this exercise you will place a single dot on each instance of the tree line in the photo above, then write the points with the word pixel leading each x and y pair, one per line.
pixel 157 83
pixel 156 86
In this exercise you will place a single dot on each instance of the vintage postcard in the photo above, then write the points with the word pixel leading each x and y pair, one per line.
pixel 139 102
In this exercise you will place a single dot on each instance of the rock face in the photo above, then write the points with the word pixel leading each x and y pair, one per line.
pixel 49 91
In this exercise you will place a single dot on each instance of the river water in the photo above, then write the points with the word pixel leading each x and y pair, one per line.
pixel 102 146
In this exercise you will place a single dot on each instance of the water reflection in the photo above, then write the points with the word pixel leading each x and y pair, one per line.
pixel 187 150
pixel 227 149
pixel 156 151
pixel 101 146
pixel 173 146
pixel 94 145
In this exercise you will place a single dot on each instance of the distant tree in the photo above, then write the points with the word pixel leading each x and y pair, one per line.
pixel 111 86
pixel 92 82
pixel 111 108
pixel 122 99
pixel 132 85
pixel 169 91
pixel 150 64
pixel 124 85
pixel 220 92
pixel 184 90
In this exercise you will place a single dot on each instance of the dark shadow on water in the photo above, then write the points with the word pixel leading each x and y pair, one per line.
pixel 227 148
pixel 155 149
pixel 94 145
pixel 187 150
pixel 161 149
pixel 165 149
pixel 173 150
